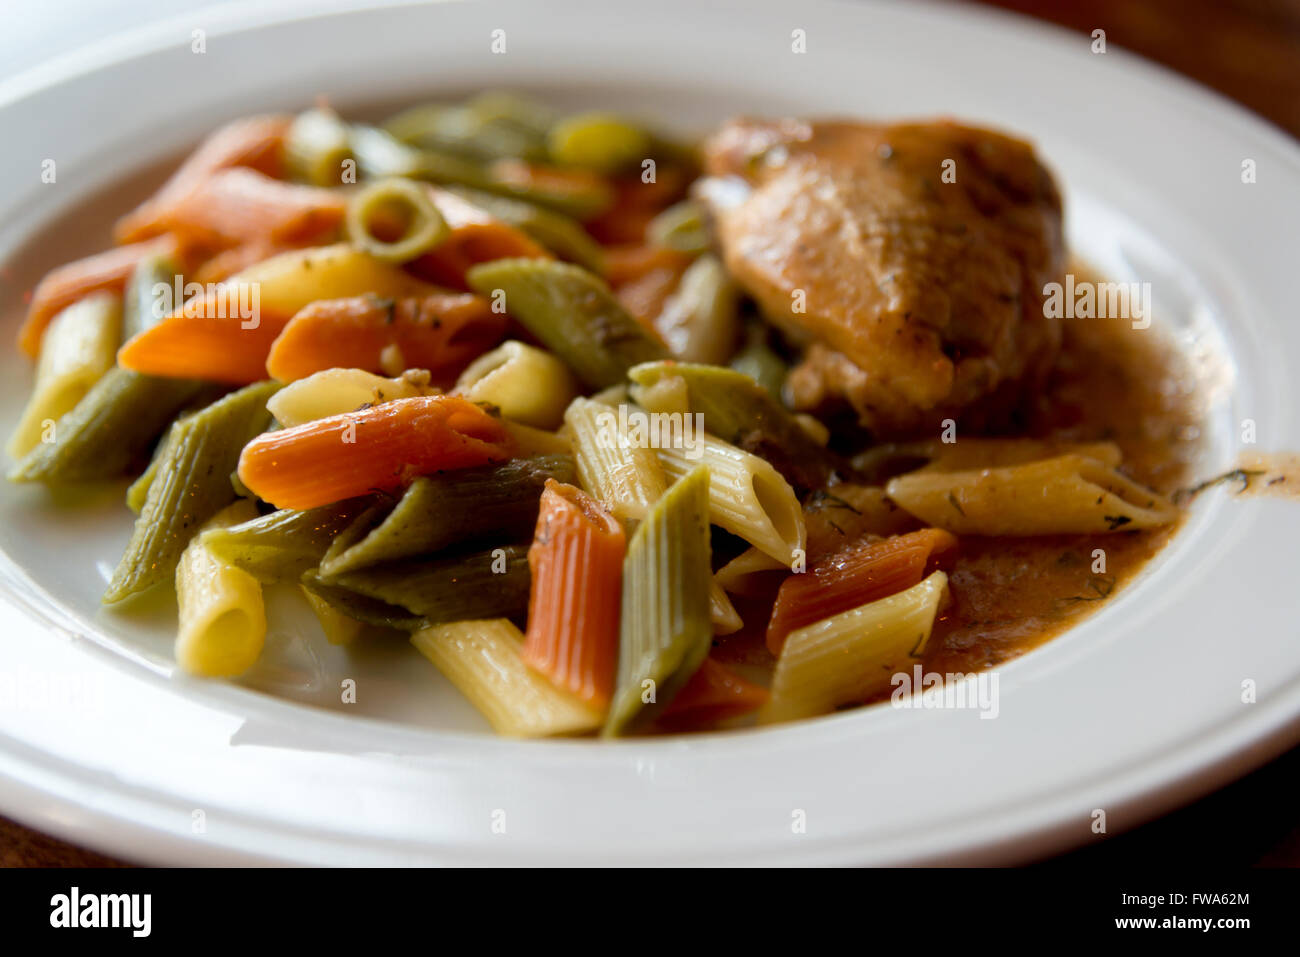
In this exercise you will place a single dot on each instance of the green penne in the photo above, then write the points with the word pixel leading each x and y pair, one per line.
pixel 573 313
pixel 489 503
pixel 492 583
pixel 362 608
pixel 144 303
pixel 482 129
pixel 666 630
pixel 316 147
pixel 110 429
pixel 284 544
pixel 560 234
pixel 680 226
pixel 740 411
pixel 191 483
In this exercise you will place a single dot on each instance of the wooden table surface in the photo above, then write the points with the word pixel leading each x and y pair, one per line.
pixel 1250 51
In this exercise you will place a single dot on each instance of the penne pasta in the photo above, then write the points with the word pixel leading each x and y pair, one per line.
pixel 339 629
pixel 1069 494
pixel 488 503
pixel 76 350
pixel 700 322
pixel 222 617
pixel 283 544
pixel 525 383
pixel 846 512
pixel 560 234
pixel 334 391
pixel 714 693
pixel 749 573
pixel 190 483
pixel 316 146
pixel 619 472
pixel 475 237
pixel 395 220
pixel 576 561
pixel 573 313
pixel 482 659
pixel 226 333
pixel 848 658
pixel 747 496
pixel 375 449
pixel 665 632
pixel 977 453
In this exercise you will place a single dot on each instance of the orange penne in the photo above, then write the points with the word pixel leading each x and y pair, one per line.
pixel 237 206
pixel 228 262
pixel 441 331
pixel 225 334
pixel 376 449
pixel 103 272
pixel 573 611
pixel 628 263
pixel 636 203
pixel 861 573
pixel 256 142
pixel 714 693
pixel 475 237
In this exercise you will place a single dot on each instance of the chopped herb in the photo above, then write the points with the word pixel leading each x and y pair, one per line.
pixel 1116 521
pixel 1236 475
pixel 952 500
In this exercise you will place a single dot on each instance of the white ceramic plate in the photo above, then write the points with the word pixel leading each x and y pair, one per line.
pixel 1134 711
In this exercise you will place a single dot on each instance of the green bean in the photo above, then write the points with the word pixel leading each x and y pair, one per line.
pixel 738 410
pixel 492 583
pixel 108 430
pixel 488 502
pixel 665 632
pixel 681 227
pixel 573 313
pixel 190 484
pixel 316 147
pixel 759 361
pixel 560 234
pixel 143 305
pixel 601 142
pixel 284 544
pixel 370 611
pixel 423 227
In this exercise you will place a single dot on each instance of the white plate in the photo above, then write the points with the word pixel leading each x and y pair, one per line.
pixel 1137 709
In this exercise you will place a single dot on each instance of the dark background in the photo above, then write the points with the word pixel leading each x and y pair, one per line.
pixel 1248 50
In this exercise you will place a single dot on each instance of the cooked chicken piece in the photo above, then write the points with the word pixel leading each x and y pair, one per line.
pixel 917 298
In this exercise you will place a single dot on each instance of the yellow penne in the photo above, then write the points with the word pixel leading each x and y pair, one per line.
pixel 529 441
pixel 222 618
pixel 848 658
pixel 333 391
pixel 747 496
pixel 739 576
pixel 76 350
pixel 612 466
pixel 527 384
pixel 482 659
pixel 339 628
pixel 722 613
pixel 964 454
pixel 1070 494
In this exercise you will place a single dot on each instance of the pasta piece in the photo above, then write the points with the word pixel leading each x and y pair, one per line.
pixel 362 608
pixel 747 496
pixel 107 272
pixel 439 332
pixel 225 335
pixel 395 220
pixel 222 617
pixel 492 583
pixel 700 321
pixel 573 192
pixel 189 485
pixel 628 264
pixel 109 430
pixel 1069 494
pixel 526 384
pixel 284 544
pixel 144 302
pixel 624 475
pixel 740 411
pixel 681 227
pixel 334 391
pixel 846 512
pixel 977 453
pixel 852 656
pixel 375 449
pixel 488 126
pixel 576 561
pixel 860 574
pixel 482 659
pixel 237 206
pixel 714 693
pixel 489 503
pixel 476 237
pixel 558 233
pixel 746 574
pixel 316 146
pixel 339 628
pixel 665 632
pixel 758 360
pixel 76 351
pixel 529 441
pixel 574 315
pixel 256 142
pixel 601 142
pixel 722 613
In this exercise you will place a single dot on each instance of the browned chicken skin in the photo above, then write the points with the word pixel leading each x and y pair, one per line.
pixel 916 298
